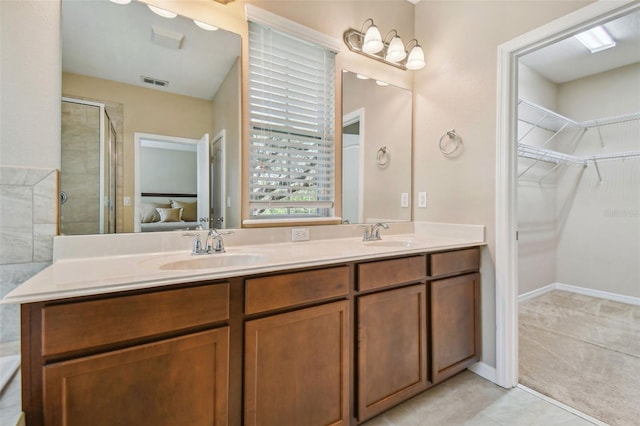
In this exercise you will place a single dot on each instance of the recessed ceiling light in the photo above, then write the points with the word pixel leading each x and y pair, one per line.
pixel 596 39
pixel 162 12
pixel 205 26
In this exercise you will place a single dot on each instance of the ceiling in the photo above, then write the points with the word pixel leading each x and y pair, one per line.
pixel 568 59
pixel 114 42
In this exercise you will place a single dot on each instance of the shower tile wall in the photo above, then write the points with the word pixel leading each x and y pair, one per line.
pixel 28 223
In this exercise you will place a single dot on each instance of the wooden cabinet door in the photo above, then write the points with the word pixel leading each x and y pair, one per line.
pixel 392 348
pixel 178 381
pixel 297 367
pixel 455 324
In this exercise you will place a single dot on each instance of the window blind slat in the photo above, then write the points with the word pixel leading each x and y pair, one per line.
pixel 292 126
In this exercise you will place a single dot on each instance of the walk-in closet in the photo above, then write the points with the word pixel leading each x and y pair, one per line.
pixel 579 223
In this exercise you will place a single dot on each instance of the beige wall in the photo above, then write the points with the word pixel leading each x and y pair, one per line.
pixel 30 84
pixel 146 111
pixel 457 90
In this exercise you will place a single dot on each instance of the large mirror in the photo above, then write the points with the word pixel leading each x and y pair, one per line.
pixel 150 121
pixel 376 151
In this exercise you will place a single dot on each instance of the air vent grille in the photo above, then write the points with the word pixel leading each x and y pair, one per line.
pixel 154 81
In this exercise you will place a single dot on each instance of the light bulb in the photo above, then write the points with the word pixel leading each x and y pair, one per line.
pixel 416 58
pixel 204 26
pixel 372 40
pixel 396 52
pixel 162 12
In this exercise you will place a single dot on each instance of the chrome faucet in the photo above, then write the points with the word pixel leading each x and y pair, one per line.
pixel 214 243
pixel 372 232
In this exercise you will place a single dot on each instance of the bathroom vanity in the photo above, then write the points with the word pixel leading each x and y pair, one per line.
pixel 313 342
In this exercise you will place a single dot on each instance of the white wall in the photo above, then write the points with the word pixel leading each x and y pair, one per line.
pixel 599 227
pixel 167 170
pixel 537 219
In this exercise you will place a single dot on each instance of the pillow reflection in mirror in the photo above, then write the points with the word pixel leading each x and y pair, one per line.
pixel 189 210
pixel 149 214
pixel 170 215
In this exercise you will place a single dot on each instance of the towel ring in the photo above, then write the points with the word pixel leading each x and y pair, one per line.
pixel 382 158
pixel 450 143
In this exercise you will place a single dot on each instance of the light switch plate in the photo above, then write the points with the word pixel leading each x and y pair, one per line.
pixel 404 199
pixel 422 199
pixel 126 201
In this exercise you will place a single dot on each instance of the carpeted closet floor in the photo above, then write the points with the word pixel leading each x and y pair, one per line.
pixel 584 352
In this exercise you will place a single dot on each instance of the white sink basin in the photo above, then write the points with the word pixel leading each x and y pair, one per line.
pixel 391 243
pixel 210 261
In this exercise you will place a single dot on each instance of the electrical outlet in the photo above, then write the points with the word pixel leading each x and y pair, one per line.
pixel 126 201
pixel 422 199
pixel 300 234
pixel 404 199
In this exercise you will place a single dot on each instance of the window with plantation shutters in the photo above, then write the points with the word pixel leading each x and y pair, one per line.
pixel 291 127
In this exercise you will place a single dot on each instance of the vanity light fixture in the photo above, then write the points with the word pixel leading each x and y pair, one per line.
pixel 381 83
pixel 390 49
pixel 205 26
pixel 162 12
pixel 596 39
pixel 121 1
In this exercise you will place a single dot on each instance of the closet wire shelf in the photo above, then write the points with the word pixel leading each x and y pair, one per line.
pixel 542 118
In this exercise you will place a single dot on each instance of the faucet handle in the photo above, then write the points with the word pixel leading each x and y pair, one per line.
pixel 197 242
pixel 367 232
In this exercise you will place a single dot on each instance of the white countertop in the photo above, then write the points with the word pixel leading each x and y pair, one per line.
pixel 74 276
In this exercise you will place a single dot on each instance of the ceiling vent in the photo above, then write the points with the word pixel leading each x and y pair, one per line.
pixel 166 38
pixel 154 81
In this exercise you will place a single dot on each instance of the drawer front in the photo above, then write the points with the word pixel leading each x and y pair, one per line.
pixel 455 261
pixel 279 291
pixel 390 272
pixel 82 325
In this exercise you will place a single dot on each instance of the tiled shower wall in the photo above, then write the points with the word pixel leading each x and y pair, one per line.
pixel 28 223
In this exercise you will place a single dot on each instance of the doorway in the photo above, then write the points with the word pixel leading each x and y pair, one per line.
pixel 169 169
pixel 506 171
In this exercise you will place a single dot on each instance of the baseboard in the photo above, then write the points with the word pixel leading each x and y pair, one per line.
pixel 598 293
pixel 485 371
pixel 537 292
pixel 580 290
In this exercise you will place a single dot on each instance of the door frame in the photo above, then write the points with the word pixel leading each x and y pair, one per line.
pixel 350 118
pixel 506 168
pixel 220 138
pixel 137 140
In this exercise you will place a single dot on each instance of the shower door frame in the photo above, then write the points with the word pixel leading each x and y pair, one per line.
pixel 112 159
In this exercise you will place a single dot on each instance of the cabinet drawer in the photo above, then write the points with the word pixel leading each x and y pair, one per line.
pixel 389 272
pixel 279 291
pixel 82 325
pixel 455 261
